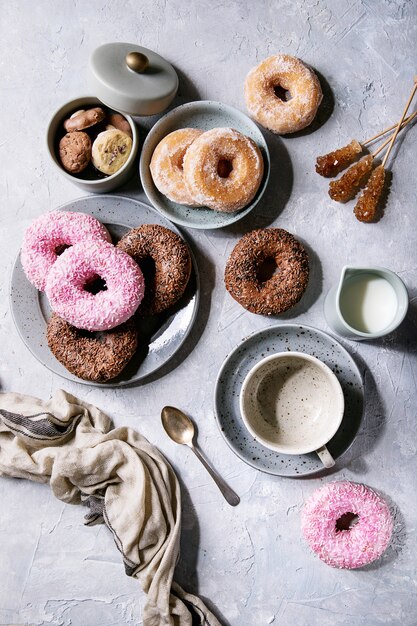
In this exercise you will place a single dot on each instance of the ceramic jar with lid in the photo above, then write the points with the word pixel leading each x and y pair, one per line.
pixel 127 79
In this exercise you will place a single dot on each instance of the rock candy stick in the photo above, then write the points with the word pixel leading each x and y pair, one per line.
pixel 367 204
pixel 331 164
pixel 347 186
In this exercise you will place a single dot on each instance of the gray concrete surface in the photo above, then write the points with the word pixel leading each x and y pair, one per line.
pixel 250 561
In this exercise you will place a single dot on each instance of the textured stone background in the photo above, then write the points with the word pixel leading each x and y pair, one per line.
pixel 250 561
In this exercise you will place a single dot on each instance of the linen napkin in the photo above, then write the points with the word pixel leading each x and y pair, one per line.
pixel 120 476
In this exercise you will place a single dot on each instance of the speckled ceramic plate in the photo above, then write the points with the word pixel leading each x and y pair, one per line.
pixel 285 337
pixel 205 115
pixel 159 337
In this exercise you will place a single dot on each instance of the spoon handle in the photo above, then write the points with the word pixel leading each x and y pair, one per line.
pixel 231 497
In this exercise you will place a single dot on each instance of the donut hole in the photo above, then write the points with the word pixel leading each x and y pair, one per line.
pixel 346 521
pixel 224 168
pixel 267 269
pixel 281 93
pixel 94 335
pixel 148 268
pixel 95 284
pixel 178 160
pixel 61 248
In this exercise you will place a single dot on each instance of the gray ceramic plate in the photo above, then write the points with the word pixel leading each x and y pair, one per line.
pixel 159 337
pixel 282 338
pixel 205 115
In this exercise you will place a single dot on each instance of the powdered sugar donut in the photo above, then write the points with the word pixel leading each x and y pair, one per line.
pixel 167 165
pixel 267 87
pixel 50 232
pixel 223 169
pixel 80 265
pixel 325 524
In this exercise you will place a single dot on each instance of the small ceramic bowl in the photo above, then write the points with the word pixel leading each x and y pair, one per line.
pixel 292 403
pixel 204 115
pixel 101 184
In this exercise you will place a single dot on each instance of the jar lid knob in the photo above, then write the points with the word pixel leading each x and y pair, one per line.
pixel 137 61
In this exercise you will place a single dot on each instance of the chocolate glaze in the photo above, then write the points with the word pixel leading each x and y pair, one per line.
pixel 92 356
pixel 280 292
pixel 165 261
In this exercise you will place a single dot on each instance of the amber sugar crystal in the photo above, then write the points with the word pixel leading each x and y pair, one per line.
pixel 346 187
pixel 367 205
pixel 331 164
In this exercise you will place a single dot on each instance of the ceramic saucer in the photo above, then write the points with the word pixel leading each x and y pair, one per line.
pixel 205 115
pixel 282 338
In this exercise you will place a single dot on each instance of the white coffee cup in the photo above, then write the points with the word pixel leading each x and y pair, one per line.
pixel 292 403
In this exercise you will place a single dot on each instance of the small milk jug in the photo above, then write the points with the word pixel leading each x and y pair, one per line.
pixel 368 302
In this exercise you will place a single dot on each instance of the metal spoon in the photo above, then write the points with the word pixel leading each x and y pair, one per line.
pixel 180 429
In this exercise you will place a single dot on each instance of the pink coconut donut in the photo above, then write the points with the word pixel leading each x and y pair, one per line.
pixel 80 265
pixel 52 231
pixel 353 547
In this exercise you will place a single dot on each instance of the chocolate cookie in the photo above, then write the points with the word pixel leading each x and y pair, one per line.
pixel 84 119
pixel 119 122
pixel 75 152
pixel 92 356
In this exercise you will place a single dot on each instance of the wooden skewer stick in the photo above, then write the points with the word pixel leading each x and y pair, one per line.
pixel 386 130
pixel 384 145
pixel 397 130
pixel 408 119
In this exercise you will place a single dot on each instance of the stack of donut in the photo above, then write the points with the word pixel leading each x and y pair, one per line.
pixel 220 169
pixel 95 288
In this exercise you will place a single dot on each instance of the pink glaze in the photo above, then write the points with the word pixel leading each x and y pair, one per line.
pixel 79 265
pixel 362 543
pixel 50 231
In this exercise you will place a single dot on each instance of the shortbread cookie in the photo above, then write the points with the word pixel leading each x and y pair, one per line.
pixel 110 151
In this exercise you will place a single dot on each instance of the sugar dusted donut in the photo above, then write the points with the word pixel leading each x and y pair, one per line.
pixel 329 510
pixel 167 165
pixel 171 259
pixel 267 295
pixel 76 268
pixel 99 358
pixel 51 232
pixel 283 73
pixel 223 169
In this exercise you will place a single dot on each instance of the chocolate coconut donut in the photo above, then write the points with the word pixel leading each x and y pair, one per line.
pixel 250 259
pixel 164 259
pixel 92 356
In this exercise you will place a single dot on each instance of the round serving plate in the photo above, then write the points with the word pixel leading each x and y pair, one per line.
pixel 204 115
pixel 160 337
pixel 283 338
